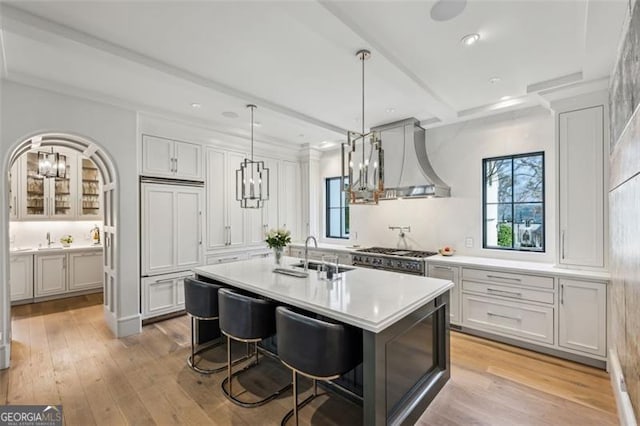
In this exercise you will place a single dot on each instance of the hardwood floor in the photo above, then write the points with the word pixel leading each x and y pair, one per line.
pixel 63 353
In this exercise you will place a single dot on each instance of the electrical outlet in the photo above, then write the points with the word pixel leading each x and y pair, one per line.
pixel 468 242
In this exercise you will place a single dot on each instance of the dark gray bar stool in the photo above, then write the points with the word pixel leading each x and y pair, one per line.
pixel 201 302
pixel 317 349
pixel 245 319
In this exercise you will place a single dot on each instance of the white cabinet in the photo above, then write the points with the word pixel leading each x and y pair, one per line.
pixel 581 187
pixel 14 176
pixel 50 274
pixel 85 270
pixel 171 159
pixel 289 199
pixel 451 273
pixel 171 228
pixel 226 257
pixel 21 277
pixel 583 316
pixel 89 190
pixel 163 294
pixel 225 217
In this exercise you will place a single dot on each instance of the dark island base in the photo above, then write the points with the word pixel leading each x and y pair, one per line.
pixel 403 369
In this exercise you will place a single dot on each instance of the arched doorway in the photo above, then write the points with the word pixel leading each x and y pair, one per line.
pixel 102 160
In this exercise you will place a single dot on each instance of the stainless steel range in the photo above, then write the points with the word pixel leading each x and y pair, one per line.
pixel 390 259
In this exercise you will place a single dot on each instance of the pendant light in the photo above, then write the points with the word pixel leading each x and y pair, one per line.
pixel 52 165
pixel 252 178
pixel 363 159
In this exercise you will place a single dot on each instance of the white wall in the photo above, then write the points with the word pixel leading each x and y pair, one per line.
pixel 26 111
pixel 456 153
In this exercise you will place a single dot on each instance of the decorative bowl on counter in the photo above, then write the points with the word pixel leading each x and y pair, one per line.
pixel 66 240
pixel 446 251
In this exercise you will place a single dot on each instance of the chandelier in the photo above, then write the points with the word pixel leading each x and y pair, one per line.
pixel 363 159
pixel 52 165
pixel 252 179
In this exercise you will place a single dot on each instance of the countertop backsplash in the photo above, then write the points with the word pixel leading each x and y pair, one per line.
pixel 31 234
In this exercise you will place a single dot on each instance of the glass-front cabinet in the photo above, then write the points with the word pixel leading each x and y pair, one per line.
pixel 74 196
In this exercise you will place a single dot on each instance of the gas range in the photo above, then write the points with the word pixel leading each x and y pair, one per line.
pixel 393 259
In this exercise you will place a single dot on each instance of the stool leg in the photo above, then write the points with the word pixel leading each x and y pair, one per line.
pixel 295 396
pixel 255 348
pixel 315 388
pixel 193 347
pixel 230 378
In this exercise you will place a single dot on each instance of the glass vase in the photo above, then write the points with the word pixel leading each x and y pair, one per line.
pixel 277 255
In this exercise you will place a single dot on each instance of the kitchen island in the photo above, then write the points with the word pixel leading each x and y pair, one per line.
pixel 404 321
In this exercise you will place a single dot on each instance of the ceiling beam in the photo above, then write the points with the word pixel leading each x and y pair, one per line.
pixel 435 104
pixel 26 24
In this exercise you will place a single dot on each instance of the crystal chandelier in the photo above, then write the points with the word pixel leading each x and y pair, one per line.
pixel 52 165
pixel 252 179
pixel 363 159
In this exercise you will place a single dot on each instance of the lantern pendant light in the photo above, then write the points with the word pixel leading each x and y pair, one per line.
pixel 52 165
pixel 252 179
pixel 363 159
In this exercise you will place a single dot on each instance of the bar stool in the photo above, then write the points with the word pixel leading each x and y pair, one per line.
pixel 245 319
pixel 201 303
pixel 318 349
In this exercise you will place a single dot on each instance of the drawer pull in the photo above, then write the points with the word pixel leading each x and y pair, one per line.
pixel 446 268
pixel 227 259
pixel 166 280
pixel 491 314
pixel 510 293
pixel 498 277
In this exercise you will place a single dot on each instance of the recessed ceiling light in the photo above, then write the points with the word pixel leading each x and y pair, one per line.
pixel 230 114
pixel 495 80
pixel 257 124
pixel 470 39
pixel 445 10
pixel 390 110
pixel 505 98
pixel 196 105
pixel 301 135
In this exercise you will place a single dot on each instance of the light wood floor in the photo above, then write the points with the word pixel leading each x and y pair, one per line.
pixel 63 353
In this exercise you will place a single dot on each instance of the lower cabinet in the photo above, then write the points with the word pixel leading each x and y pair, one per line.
pixel 582 316
pixel 21 277
pixel 66 272
pixel 163 294
pixel 451 273
pixel 50 274
pixel 85 270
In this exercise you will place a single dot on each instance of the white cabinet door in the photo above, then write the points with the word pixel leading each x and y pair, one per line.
pixel 583 316
pixel 158 230
pixel 51 274
pixel 89 199
pixel 163 294
pixel 188 161
pixel 188 227
pixel 451 273
pixel 582 187
pixel 63 192
pixel 14 176
pixel 34 189
pixel 21 277
pixel 85 270
pixel 289 212
pixel 216 199
pixel 157 156
pixel 235 214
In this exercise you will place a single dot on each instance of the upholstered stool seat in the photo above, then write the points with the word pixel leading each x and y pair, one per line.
pixel 247 319
pixel 315 348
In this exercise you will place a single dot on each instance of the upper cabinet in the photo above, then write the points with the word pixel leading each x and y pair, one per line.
pixel 289 199
pixel 77 196
pixel 171 159
pixel 581 134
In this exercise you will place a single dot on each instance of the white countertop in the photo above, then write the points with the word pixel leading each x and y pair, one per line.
pixel 520 266
pixel 365 298
pixel 56 248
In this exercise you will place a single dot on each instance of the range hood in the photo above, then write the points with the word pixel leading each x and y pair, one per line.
pixel 407 170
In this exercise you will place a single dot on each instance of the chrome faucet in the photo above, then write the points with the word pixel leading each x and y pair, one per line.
pixel 306 250
pixel 48 239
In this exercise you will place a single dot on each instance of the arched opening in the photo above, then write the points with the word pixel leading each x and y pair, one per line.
pixel 87 149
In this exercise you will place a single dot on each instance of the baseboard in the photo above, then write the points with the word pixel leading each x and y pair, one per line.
pixel 625 409
pixel 5 355
pixel 129 325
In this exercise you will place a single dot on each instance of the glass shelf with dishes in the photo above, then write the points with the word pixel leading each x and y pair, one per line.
pixel 90 190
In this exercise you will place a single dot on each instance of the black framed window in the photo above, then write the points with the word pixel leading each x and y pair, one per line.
pixel 337 209
pixel 513 202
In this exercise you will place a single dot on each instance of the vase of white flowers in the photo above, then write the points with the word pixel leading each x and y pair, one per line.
pixel 277 240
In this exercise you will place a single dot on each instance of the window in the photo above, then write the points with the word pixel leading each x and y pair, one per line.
pixel 513 198
pixel 337 213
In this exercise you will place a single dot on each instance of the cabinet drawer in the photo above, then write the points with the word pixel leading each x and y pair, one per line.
pixel 225 258
pixel 507 278
pixel 519 293
pixel 508 318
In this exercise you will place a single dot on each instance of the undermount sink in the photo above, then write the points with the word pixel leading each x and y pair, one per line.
pixel 314 266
